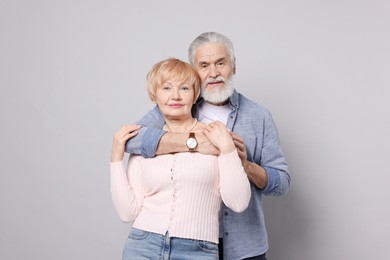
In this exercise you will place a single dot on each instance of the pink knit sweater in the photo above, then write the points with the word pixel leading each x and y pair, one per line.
pixel 180 193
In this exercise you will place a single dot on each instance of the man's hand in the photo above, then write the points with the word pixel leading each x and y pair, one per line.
pixel 241 149
pixel 256 174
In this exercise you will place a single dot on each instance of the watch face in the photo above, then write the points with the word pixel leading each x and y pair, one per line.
pixel 191 143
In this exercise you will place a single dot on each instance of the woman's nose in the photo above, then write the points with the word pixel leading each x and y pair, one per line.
pixel 176 94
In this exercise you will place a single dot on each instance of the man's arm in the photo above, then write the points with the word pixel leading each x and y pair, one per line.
pixel 148 137
pixel 151 140
pixel 176 143
pixel 256 174
pixel 272 177
pixel 274 161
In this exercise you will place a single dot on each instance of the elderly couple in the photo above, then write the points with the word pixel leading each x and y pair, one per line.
pixel 200 163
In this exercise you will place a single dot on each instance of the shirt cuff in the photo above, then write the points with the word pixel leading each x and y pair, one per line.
pixel 273 180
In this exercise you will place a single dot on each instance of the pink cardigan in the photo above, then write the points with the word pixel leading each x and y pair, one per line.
pixel 180 193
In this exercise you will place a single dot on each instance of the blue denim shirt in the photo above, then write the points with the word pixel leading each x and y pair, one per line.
pixel 245 233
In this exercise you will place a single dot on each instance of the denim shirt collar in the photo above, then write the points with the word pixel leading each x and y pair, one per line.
pixel 234 100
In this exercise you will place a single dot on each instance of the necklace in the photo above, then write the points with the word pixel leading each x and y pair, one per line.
pixel 166 128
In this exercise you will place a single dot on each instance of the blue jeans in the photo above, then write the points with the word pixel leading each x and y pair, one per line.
pixel 143 245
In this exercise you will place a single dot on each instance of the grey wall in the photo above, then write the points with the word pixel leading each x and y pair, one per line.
pixel 72 72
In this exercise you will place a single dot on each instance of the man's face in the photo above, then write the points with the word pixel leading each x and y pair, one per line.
pixel 215 71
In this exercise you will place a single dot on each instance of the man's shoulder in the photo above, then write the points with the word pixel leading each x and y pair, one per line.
pixel 252 106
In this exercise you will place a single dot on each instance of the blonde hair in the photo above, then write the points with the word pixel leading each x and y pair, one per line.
pixel 175 70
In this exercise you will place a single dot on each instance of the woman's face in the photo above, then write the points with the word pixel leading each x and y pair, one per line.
pixel 175 99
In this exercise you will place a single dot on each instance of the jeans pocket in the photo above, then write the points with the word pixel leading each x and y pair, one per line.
pixel 138 234
pixel 208 247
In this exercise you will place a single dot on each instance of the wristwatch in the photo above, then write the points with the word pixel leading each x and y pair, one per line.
pixel 191 142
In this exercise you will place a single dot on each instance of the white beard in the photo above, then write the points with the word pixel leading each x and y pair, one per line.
pixel 218 96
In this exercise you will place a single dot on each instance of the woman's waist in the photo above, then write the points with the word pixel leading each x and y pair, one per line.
pixel 209 233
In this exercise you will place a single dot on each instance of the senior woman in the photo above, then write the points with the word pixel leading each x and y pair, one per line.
pixel 173 200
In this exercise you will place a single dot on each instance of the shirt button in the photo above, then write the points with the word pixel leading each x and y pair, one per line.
pixel 226 214
pixel 226 233
pixel 231 117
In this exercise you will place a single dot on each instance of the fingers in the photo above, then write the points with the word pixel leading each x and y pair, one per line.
pixel 205 146
pixel 120 138
pixel 126 132
pixel 129 128
pixel 238 141
pixel 239 144
pixel 236 137
pixel 219 136
pixel 216 126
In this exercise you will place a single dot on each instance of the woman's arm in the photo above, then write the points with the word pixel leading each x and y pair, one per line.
pixel 234 184
pixel 125 185
pixel 126 188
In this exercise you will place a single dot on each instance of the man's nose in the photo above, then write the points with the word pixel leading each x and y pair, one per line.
pixel 214 72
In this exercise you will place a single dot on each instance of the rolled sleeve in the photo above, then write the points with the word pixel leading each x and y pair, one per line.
pixel 275 185
pixel 150 142
pixel 148 137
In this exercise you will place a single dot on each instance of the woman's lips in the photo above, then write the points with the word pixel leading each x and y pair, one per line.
pixel 176 105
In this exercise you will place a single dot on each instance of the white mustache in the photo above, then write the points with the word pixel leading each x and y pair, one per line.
pixel 208 81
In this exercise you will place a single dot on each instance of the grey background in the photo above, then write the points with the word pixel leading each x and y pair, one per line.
pixel 73 72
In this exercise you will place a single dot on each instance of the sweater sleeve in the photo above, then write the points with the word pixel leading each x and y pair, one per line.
pixel 234 184
pixel 126 191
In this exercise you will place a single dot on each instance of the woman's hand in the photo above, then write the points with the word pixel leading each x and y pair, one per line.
pixel 219 136
pixel 120 138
